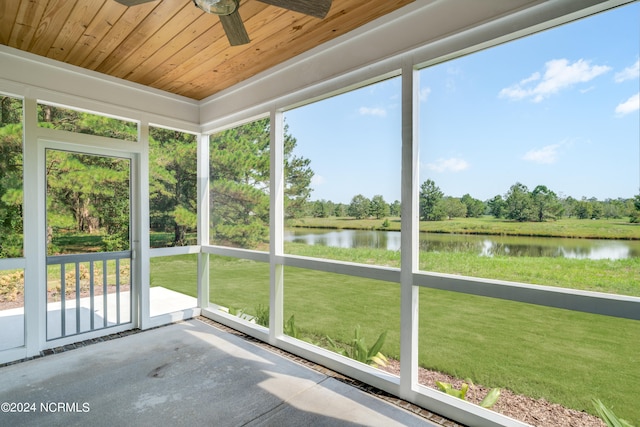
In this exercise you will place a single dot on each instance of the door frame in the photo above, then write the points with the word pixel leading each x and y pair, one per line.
pixel 91 145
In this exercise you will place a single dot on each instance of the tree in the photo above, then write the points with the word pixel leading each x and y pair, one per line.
pixel 378 207
pixel 635 216
pixel 340 210
pixel 11 190
pixel 583 209
pixel 452 207
pixel 497 206
pixel 546 205
pixel 321 209
pixel 173 183
pixel 88 123
pixel 569 206
pixel 475 207
pixel 519 205
pixel 614 208
pixel 395 208
pixel 239 165
pixel 297 175
pixel 359 207
pixel 89 194
pixel 430 195
pixel 597 208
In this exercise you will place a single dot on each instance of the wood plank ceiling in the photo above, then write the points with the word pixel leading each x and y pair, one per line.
pixel 171 44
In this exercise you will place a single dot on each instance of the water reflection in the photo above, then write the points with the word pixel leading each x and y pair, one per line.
pixel 481 245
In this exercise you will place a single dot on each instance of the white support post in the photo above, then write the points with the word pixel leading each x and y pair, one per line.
pixel 35 243
pixel 203 219
pixel 143 253
pixel 409 233
pixel 276 226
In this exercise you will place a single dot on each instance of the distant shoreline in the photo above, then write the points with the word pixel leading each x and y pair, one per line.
pixel 606 229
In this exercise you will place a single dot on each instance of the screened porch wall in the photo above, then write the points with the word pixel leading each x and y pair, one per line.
pixel 396 48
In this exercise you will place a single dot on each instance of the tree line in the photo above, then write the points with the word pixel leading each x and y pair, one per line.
pixel 518 204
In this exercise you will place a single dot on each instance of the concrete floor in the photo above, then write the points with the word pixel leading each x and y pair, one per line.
pixel 188 373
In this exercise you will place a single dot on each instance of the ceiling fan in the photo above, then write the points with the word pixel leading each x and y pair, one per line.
pixel 231 21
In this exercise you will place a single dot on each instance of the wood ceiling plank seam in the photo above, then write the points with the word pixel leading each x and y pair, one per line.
pixel 164 11
pixel 104 20
pixel 202 47
pixel 117 33
pixel 196 46
pixel 266 56
pixel 53 19
pixel 344 22
pixel 256 51
pixel 214 54
pixel 268 52
pixel 26 24
pixel 186 36
pixel 8 14
pixel 160 39
pixel 80 18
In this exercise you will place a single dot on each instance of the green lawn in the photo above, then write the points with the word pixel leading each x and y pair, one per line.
pixel 612 276
pixel 563 356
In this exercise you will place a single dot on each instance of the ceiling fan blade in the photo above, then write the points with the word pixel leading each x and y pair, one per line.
pixel 233 26
pixel 133 2
pixel 316 8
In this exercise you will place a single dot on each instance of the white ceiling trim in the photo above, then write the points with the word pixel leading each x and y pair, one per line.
pixel 422 32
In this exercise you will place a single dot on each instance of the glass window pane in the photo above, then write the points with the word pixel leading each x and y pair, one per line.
pixel 530 159
pixel 11 309
pixel 351 146
pixel 174 283
pixel 172 187
pixel 337 312
pixel 88 203
pixel 11 177
pixel 71 120
pixel 561 356
pixel 240 287
pixel 239 175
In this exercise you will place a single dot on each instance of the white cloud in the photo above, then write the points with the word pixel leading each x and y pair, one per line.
pixel 377 112
pixel 629 73
pixel 545 155
pixel 317 180
pixel 448 165
pixel 424 94
pixel 559 74
pixel 629 106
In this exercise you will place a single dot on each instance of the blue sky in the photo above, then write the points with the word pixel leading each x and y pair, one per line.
pixel 559 108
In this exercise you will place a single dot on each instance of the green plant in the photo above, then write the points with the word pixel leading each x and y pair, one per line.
pixel 386 223
pixel 290 327
pixel 489 400
pixel 236 311
pixel 607 415
pixel 114 242
pixel 357 349
pixel 448 388
pixel 262 315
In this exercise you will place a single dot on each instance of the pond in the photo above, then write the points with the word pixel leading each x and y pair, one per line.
pixel 480 244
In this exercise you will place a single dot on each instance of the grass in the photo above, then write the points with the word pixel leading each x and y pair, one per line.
pixel 612 276
pixel 564 356
pixel 620 229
